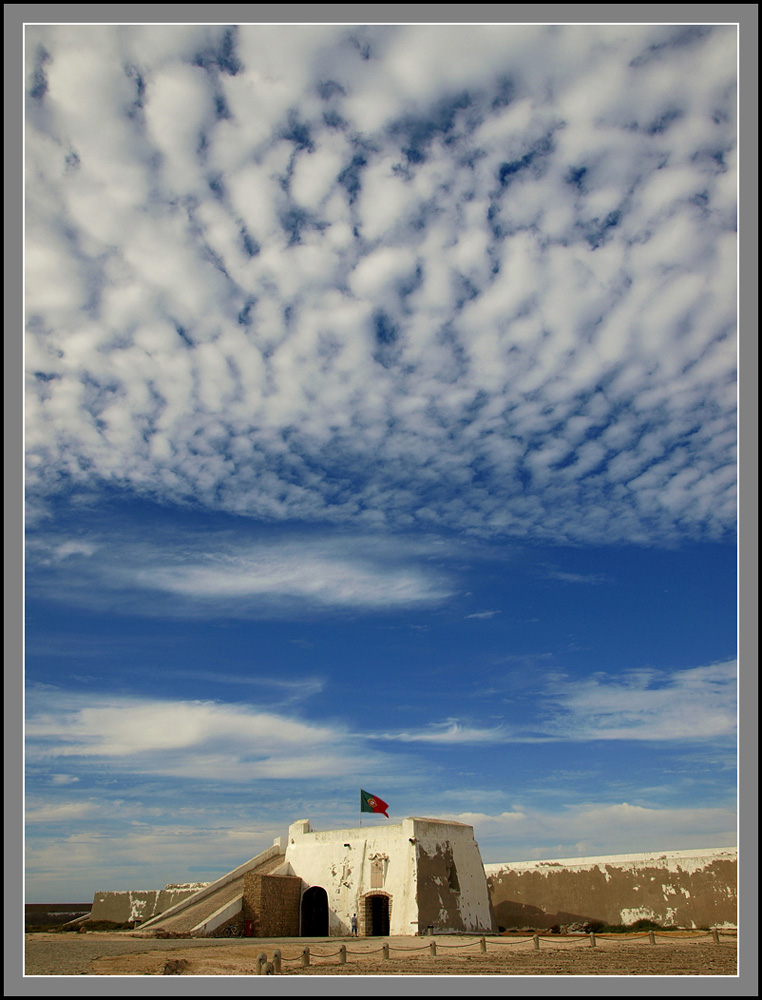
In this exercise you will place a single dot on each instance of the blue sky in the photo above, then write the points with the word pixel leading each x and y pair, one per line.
pixel 380 432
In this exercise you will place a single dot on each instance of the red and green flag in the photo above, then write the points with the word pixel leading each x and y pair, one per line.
pixel 372 804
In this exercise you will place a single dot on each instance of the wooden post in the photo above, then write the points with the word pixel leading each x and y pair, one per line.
pixel 536 940
pixel 261 963
pixel 652 937
pixel 343 955
pixel 482 945
pixel 715 935
pixel 276 961
pixel 433 948
pixel 592 939
pixel 305 957
pixel 385 952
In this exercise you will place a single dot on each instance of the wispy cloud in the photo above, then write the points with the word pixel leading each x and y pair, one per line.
pixel 450 732
pixel 191 739
pixel 218 573
pixel 692 705
pixel 584 578
pixel 60 812
pixel 593 828
pixel 483 614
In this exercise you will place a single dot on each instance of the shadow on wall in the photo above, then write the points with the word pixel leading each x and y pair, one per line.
pixel 512 914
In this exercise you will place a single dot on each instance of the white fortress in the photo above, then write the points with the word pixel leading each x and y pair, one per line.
pixel 399 879
pixel 426 876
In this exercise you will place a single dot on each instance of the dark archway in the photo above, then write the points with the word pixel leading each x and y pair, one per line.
pixel 315 912
pixel 377 916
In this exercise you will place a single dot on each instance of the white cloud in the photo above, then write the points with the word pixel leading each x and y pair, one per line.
pixel 232 576
pixel 60 812
pixel 207 741
pixel 326 273
pixel 592 829
pixel 450 732
pixel 693 705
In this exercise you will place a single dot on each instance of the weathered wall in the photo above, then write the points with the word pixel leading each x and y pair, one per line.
pixel 452 890
pixel 271 903
pixel 137 905
pixel 681 888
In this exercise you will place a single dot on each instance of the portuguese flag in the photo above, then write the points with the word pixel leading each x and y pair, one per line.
pixel 372 804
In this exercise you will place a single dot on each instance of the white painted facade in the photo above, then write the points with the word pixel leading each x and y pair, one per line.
pixel 430 871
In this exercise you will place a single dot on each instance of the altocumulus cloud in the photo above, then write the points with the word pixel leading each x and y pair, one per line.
pixel 350 274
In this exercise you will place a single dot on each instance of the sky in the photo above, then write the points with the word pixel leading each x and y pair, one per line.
pixel 380 429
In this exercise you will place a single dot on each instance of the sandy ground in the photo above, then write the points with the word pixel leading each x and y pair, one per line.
pixel 126 954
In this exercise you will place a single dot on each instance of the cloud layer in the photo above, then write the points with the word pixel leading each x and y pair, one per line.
pixel 480 278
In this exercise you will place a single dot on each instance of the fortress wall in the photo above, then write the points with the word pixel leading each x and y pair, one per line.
pixel 681 888
pixel 138 905
pixel 451 888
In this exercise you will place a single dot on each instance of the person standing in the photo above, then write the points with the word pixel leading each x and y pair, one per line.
pixel 354 925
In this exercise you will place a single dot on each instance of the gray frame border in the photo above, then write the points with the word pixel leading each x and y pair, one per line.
pixel 747 16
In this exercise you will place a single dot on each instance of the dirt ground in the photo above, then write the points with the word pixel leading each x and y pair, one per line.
pixel 617 955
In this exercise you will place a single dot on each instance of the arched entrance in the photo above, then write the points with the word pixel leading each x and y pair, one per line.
pixel 315 912
pixel 377 915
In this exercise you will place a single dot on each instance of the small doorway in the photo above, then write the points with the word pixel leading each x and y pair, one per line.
pixel 377 916
pixel 315 912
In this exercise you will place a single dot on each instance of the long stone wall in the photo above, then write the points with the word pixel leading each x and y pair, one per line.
pixel 674 888
pixel 137 905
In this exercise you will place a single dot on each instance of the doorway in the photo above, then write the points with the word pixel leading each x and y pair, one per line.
pixel 377 916
pixel 315 912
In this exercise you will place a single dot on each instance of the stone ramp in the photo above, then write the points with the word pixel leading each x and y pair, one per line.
pixel 196 909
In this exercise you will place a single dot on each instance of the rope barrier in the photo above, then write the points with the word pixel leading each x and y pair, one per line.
pixel 503 941
pixel 424 948
pixel 683 934
pixel 274 967
pixel 561 942
pixel 622 937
